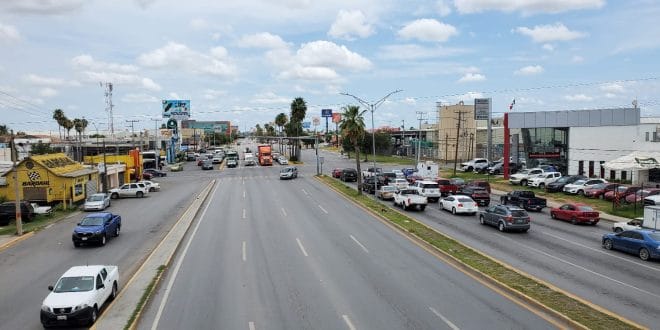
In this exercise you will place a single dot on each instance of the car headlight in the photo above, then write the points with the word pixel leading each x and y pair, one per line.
pixel 657 247
pixel 45 308
pixel 79 307
pixel 99 232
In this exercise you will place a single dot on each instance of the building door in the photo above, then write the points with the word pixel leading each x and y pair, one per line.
pixel 581 167
pixel 591 168
pixel 602 169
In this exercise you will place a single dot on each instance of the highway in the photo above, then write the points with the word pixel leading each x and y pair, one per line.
pixel 565 255
pixel 272 254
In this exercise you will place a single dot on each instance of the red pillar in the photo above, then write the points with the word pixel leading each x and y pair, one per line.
pixel 507 146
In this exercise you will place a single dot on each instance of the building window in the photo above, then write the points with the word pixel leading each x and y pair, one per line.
pixel 612 175
pixel 602 169
pixel 581 167
pixel 78 189
pixel 647 136
pixel 591 168
pixel 624 175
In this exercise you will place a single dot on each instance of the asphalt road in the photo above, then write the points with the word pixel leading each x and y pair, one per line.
pixel 272 254
pixel 568 256
pixel 28 268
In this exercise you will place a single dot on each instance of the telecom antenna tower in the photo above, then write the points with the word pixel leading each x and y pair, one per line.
pixel 108 107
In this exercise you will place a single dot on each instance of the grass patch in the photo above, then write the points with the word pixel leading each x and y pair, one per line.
pixel 38 223
pixel 383 159
pixel 145 296
pixel 572 308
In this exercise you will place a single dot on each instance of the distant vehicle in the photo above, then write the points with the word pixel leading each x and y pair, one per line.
pixel 8 212
pixel 288 173
pixel 541 180
pixel 216 159
pixel 336 172
pixel 575 213
pixel 638 196
pixel 628 225
pixel 470 165
pixel 282 160
pixel 478 194
pixel 599 190
pixel 207 165
pixel 410 199
pixel 152 186
pixel 97 202
pixel 458 182
pixel 155 172
pixel 525 199
pixel 620 193
pixel 643 243
pixel 369 186
pixel 78 295
pixel 652 200
pixel 459 204
pixel 399 183
pixel 479 184
pixel 428 189
pixel 96 228
pixel 348 174
pixel 561 182
pixel 446 187
pixel 579 186
pixel 386 192
pixel 399 174
pixel 231 162
pixel 505 218
pixel 129 190
pixel 264 154
pixel 371 171
pixel 522 177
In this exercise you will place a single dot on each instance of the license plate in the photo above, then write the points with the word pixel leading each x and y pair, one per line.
pixel 84 238
pixel 61 317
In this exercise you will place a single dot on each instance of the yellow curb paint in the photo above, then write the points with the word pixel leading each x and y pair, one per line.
pixel 15 241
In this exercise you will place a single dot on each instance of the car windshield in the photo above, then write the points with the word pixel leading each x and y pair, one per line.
pixel 598 186
pixel 585 208
pixel 518 213
pixel 430 185
pixel 465 200
pixel 579 182
pixel 458 181
pixel 95 198
pixel 91 221
pixel 655 236
pixel 444 182
pixel 389 188
pixel 74 284
pixel 409 192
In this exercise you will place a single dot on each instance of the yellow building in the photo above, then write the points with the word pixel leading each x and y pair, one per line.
pixel 50 178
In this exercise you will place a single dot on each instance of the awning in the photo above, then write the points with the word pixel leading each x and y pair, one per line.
pixel 638 160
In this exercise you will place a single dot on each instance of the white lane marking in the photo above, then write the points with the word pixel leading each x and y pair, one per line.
pixel 244 213
pixel 322 209
pixel 360 244
pixel 609 254
pixel 583 268
pixel 243 180
pixel 302 248
pixel 243 194
pixel 348 322
pixel 244 252
pixel 175 271
pixel 305 192
pixel 251 326
pixel 446 320
pixel 283 212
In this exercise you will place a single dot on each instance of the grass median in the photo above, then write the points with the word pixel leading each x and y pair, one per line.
pixel 573 309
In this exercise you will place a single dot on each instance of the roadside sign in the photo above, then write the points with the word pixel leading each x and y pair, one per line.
pixel 326 112
pixel 482 109
pixel 306 124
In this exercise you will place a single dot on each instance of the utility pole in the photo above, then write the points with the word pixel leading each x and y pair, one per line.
pixel 403 135
pixel 420 117
pixel 156 142
pixel 458 132
pixel 132 122
pixel 105 170
pixel 108 108
pixel 17 197
pixel 446 148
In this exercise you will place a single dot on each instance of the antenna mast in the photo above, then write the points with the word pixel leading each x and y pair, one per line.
pixel 108 107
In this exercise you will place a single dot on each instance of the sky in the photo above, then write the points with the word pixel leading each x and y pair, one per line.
pixel 246 60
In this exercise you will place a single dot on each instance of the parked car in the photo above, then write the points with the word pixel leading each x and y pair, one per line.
pixel 336 172
pixel 478 194
pixel 155 172
pixel 96 228
pixel 469 166
pixel 207 165
pixel 371 171
pixel 428 189
pixel 541 180
pixel 620 193
pixel 575 213
pixel 129 190
pixel 525 199
pixel 561 182
pixel 598 190
pixel 522 177
pixel 97 202
pixel 459 204
pixel 348 174
pixel 147 176
pixel 399 183
pixel 8 212
pixel 505 218
pixel 498 168
pixel 41 209
pixel 152 186
pixel 409 199
pixel 386 192
pixel 289 172
pixel 231 163
pixel 644 243
pixel 627 225
pixel 446 187
pixel 482 168
pixel 641 194
pixel 479 184
pixel 78 295
pixel 371 184
pixel 579 186
pixel 652 200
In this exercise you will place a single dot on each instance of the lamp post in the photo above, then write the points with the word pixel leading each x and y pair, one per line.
pixel 372 107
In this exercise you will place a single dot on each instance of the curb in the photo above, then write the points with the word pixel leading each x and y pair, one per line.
pixel 129 297
pixel 15 240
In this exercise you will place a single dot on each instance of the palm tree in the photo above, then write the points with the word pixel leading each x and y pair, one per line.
pixel 58 115
pixel 77 126
pixel 352 129
pixel 280 120
pixel 68 125
pixel 4 130
pixel 298 111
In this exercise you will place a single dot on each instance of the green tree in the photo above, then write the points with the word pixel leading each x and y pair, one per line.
pixel 4 130
pixel 59 117
pixel 352 129
pixel 280 120
pixel 41 148
pixel 259 131
pixel 298 112
pixel 68 125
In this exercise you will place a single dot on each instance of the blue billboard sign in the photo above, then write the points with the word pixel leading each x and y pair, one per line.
pixel 176 109
pixel 326 112
pixel 307 124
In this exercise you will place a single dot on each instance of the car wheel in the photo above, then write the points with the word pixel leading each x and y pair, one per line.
pixel 113 295
pixel 442 207
pixel 114 196
pixel 76 244
pixel 139 194
pixel 481 220
pixel 541 186
pixel 574 221
pixel 500 226
pixel 553 215
pixel 523 182
pixel 422 207
pixel 92 319
pixel 116 231
pixel 453 210
pixel 644 254
pixel 618 230
pixel 109 204
pixel 525 230
pixel 103 240
pixel 607 244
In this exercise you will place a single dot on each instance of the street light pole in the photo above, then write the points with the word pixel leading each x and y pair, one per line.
pixel 372 107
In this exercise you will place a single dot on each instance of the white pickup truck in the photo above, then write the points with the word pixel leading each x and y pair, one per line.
pixel 409 198
pixel 78 295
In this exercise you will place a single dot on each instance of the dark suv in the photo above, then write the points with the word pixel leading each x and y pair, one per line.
pixel 348 174
pixel 8 212
pixel 505 218
pixel 561 182
pixel 478 194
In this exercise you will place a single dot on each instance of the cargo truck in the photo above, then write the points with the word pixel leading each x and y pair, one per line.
pixel 264 155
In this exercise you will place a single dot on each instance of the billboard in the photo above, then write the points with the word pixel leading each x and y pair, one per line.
pixel 326 112
pixel 336 117
pixel 306 124
pixel 481 109
pixel 176 109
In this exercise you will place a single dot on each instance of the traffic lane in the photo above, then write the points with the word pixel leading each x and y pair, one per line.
pixel 30 266
pixel 585 272
pixel 389 278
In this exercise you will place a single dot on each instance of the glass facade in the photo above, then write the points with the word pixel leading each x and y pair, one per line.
pixel 546 146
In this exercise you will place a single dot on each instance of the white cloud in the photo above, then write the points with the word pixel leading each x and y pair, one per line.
pixel 43 7
pixel 525 6
pixel 610 95
pixel 139 98
pixel 37 80
pixel 9 33
pixel 94 71
pixel 549 33
pixel 262 40
pixel 47 92
pixel 350 24
pixel 529 70
pixel 468 98
pixel 181 57
pixel 150 84
pixel 613 88
pixel 442 8
pixel 415 52
pixel 89 63
pixel 410 101
pixel 199 24
pixel 310 73
pixel 426 29
pixel 270 98
pixel 472 77
pixel 577 59
pixel 174 96
pixel 548 47
pixel 326 53
pixel 578 98
pixel 211 94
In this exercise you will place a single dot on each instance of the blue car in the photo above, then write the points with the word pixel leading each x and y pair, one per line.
pixel 644 243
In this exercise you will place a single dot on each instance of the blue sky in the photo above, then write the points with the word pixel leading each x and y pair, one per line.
pixel 245 60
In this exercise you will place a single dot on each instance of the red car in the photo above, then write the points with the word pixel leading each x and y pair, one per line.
pixel 412 178
pixel 639 195
pixel 597 191
pixel 575 213
pixel 621 192
pixel 336 173
pixel 446 187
